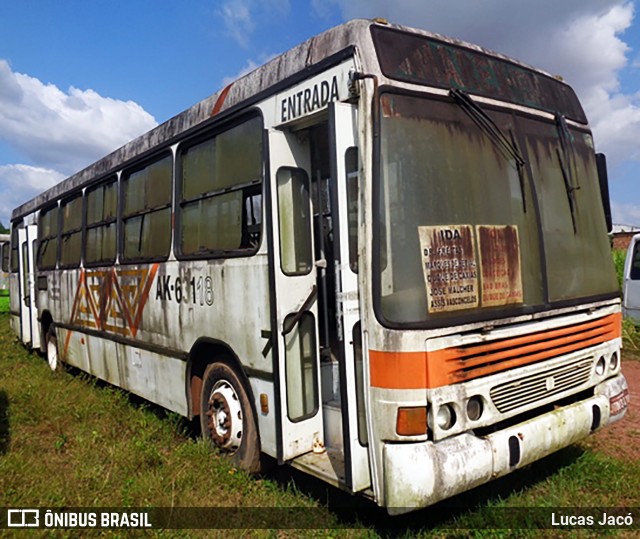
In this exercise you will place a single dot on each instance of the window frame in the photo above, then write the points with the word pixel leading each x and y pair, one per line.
pixel 111 180
pixel 249 189
pixel 42 239
pixel 125 175
pixel 62 234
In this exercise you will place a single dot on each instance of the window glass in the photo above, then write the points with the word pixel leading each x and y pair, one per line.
pixel 302 383
pixel 198 164
pixel 71 237
pixel 48 238
pixel 634 273
pixel 294 217
pixel 100 246
pixel 72 215
pixel 147 235
pixel 448 199
pixel 351 167
pixel 15 264
pixel 6 248
pixel 573 222
pixel 221 193
pixel 147 211
pixel 459 231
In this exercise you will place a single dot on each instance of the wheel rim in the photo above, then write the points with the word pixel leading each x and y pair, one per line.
pixel 52 354
pixel 225 417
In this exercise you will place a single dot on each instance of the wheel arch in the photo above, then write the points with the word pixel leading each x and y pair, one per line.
pixel 205 351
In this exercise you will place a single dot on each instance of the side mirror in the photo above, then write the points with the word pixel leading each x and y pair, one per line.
pixel 603 179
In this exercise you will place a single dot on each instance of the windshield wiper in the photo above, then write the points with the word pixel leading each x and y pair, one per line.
pixel 564 159
pixel 494 132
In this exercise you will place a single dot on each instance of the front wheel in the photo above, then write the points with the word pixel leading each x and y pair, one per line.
pixel 227 418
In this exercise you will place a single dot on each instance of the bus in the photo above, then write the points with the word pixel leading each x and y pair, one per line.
pixel 381 258
pixel 5 249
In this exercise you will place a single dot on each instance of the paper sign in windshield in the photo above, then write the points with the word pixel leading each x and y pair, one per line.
pixel 499 249
pixel 449 266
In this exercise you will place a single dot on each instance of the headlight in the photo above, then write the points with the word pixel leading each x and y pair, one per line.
pixel 446 417
pixel 601 366
pixel 474 408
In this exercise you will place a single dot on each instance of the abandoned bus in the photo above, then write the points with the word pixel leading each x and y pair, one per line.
pixel 5 249
pixel 381 258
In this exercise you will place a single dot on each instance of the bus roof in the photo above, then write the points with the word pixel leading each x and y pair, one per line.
pixel 323 50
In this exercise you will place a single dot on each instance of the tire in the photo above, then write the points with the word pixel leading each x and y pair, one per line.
pixel 227 418
pixel 51 349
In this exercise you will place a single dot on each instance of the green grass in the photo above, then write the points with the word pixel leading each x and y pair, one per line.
pixel 4 304
pixel 619 256
pixel 67 440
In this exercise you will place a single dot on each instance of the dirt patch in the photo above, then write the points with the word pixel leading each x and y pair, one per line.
pixel 622 439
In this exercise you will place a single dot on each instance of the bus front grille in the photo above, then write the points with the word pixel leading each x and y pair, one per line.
pixel 537 387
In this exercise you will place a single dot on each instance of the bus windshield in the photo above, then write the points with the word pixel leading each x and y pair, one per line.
pixel 465 231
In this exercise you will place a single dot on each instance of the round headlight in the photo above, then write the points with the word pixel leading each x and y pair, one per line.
pixel 600 366
pixel 446 417
pixel 474 408
pixel 613 361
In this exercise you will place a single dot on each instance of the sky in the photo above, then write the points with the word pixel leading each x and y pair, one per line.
pixel 79 78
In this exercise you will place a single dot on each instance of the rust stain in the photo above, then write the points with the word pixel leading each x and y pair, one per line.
pixel 500 267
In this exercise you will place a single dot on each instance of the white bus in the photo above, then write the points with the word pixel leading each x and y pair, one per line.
pixel 382 258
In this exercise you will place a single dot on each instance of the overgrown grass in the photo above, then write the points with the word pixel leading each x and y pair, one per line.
pixel 618 262
pixel 4 303
pixel 67 440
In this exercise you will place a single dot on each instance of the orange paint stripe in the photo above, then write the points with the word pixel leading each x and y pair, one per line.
pixel 422 370
pixel 220 101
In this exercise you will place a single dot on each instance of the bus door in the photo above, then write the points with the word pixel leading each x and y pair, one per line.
pixel 343 144
pixel 28 312
pixel 296 294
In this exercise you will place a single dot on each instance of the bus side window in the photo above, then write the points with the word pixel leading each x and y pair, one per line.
pixel 635 263
pixel 48 235
pixel 100 239
pixel 5 257
pixel 71 232
pixel 220 192
pixel 351 168
pixel 294 218
pixel 146 212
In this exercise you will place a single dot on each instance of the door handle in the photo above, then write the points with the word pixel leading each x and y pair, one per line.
pixel 291 323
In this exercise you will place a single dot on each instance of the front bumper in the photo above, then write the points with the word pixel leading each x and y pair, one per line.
pixel 420 474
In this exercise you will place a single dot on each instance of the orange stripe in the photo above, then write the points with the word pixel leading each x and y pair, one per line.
pixel 220 101
pixel 422 370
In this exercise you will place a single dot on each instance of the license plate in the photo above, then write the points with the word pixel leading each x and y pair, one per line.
pixel 619 402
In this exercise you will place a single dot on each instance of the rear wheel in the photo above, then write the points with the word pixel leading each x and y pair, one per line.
pixel 52 349
pixel 227 418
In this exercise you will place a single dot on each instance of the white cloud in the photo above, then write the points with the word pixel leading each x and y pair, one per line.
pixel 248 68
pixel 57 132
pixel 582 40
pixel 239 16
pixel 60 130
pixel 625 213
pixel 20 183
pixel 238 20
